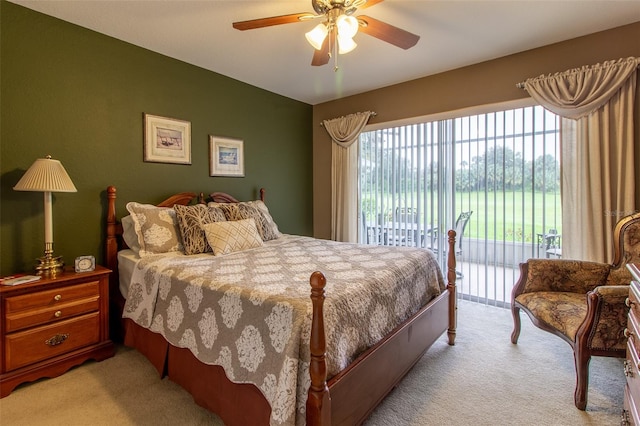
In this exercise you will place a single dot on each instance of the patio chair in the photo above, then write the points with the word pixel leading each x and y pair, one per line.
pixel 581 302
pixel 405 226
pixel 550 244
pixel 461 225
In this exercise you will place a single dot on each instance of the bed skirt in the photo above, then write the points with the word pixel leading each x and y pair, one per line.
pixel 234 403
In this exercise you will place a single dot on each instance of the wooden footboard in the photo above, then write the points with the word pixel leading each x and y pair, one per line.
pixel 350 396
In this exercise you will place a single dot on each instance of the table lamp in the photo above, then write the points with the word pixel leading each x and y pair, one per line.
pixel 47 175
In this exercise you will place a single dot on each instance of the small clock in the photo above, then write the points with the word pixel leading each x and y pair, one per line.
pixel 85 263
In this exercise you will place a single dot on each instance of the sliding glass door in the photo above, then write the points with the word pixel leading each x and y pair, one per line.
pixel 495 174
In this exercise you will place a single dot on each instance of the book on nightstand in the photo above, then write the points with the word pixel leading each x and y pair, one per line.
pixel 18 279
pixel 635 271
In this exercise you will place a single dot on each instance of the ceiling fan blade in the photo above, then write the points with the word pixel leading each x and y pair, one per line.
pixel 321 57
pixel 386 32
pixel 274 20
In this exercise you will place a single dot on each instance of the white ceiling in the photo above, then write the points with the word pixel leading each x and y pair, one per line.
pixel 453 34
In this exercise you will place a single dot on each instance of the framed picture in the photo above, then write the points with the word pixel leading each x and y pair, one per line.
pixel 226 157
pixel 167 140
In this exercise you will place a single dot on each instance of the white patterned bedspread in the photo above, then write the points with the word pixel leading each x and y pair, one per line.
pixel 250 311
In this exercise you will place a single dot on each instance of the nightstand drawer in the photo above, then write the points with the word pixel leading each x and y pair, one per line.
pixel 634 299
pixel 60 311
pixel 633 332
pixel 37 344
pixel 630 412
pixel 53 297
pixel 631 365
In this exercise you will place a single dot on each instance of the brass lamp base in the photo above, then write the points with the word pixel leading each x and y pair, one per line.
pixel 49 265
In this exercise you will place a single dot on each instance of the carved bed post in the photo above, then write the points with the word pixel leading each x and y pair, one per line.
pixel 318 400
pixel 451 287
pixel 111 245
pixel 111 261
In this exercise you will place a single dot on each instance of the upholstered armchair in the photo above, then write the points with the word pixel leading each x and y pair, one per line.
pixel 581 302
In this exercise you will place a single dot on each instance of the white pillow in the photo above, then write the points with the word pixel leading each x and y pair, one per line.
pixel 232 236
pixel 156 228
pixel 129 234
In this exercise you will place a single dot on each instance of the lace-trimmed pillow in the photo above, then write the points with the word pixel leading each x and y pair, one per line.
pixel 255 210
pixel 231 236
pixel 190 221
pixel 129 234
pixel 156 228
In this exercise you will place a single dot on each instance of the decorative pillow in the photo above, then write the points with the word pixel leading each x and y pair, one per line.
pixel 249 210
pixel 190 221
pixel 156 228
pixel 129 233
pixel 264 210
pixel 232 236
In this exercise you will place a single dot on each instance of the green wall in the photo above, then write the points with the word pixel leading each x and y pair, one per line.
pixel 80 96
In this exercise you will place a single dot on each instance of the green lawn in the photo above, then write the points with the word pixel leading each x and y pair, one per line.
pixel 497 216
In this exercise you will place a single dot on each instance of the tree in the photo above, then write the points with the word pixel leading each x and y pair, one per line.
pixel 499 168
pixel 547 174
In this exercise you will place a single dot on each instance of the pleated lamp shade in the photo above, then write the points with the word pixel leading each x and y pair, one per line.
pixel 46 175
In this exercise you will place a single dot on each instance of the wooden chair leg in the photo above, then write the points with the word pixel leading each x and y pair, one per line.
pixel 582 360
pixel 515 311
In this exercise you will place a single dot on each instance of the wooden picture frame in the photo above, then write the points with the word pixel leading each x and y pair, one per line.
pixel 226 157
pixel 167 140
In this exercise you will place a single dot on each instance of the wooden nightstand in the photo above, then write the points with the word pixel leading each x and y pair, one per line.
pixel 53 324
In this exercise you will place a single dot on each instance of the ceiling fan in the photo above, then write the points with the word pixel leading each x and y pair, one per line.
pixel 335 34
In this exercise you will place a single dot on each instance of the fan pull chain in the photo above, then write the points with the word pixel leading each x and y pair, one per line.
pixel 334 48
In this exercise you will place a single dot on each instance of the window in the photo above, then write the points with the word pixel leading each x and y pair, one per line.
pixel 499 168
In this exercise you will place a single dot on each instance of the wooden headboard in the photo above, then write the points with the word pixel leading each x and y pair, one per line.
pixel 114 243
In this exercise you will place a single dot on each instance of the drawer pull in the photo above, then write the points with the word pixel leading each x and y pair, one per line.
pixel 57 297
pixel 58 314
pixel 627 333
pixel 57 339
pixel 628 369
pixel 625 418
pixel 628 303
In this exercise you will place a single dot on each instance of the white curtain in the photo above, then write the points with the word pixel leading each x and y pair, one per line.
pixel 344 132
pixel 598 172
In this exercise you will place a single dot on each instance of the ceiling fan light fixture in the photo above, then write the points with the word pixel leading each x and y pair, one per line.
pixel 347 25
pixel 345 44
pixel 316 36
pixel 335 35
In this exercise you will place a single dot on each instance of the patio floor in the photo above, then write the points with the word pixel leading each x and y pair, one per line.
pixel 487 284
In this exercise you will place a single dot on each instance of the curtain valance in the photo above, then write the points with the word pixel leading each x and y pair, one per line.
pixel 345 130
pixel 579 92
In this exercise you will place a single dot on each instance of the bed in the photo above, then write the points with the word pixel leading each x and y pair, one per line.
pixel 318 367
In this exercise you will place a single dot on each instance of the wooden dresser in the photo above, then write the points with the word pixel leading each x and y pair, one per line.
pixel 53 324
pixel 631 413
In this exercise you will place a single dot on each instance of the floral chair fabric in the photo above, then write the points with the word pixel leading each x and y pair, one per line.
pixel 581 302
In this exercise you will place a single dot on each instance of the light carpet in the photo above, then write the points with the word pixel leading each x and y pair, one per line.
pixel 482 380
